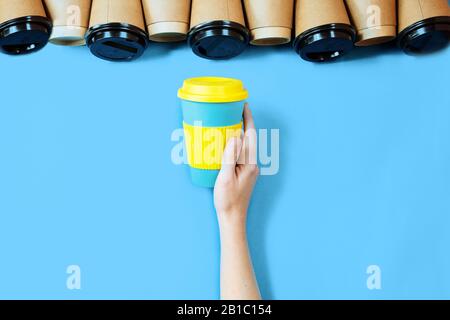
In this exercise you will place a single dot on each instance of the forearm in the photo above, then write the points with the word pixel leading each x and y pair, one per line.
pixel 238 280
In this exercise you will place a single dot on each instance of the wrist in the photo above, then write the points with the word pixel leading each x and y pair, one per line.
pixel 232 225
pixel 233 218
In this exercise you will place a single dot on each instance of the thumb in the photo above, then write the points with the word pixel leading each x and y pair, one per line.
pixel 231 156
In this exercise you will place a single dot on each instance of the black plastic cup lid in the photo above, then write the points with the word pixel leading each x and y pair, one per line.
pixel 425 36
pixel 24 35
pixel 218 40
pixel 117 41
pixel 325 43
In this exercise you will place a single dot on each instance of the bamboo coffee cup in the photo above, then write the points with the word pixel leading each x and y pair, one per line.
pixel 167 20
pixel 270 21
pixel 424 25
pixel 323 30
pixel 117 30
pixel 24 26
pixel 375 21
pixel 218 29
pixel 212 114
pixel 70 21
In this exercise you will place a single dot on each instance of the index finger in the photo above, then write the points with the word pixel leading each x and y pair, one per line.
pixel 249 123
pixel 249 150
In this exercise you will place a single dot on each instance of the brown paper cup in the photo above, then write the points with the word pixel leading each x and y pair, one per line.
pixel 323 30
pixel 117 11
pixel 24 26
pixel 375 20
pixel 424 25
pixel 314 13
pixel 117 30
pixel 270 21
pixel 167 20
pixel 70 21
pixel 12 9
pixel 412 11
pixel 218 29
pixel 215 10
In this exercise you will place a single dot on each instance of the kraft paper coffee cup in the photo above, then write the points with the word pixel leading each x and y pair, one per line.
pixel 24 26
pixel 167 20
pixel 70 21
pixel 375 20
pixel 212 114
pixel 270 21
pixel 218 29
pixel 117 30
pixel 424 25
pixel 323 30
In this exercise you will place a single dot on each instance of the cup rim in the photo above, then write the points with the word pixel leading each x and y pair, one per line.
pixel 117 30
pixel 339 31
pixel 229 30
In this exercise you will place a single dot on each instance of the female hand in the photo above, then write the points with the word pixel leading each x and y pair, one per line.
pixel 235 183
pixel 232 193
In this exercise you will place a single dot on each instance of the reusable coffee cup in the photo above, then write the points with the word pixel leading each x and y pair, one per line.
pixel 424 25
pixel 323 30
pixel 218 29
pixel 24 26
pixel 270 21
pixel 117 30
pixel 70 21
pixel 375 21
pixel 212 114
pixel 167 20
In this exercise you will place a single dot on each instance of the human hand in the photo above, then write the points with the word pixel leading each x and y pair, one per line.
pixel 237 178
pixel 232 193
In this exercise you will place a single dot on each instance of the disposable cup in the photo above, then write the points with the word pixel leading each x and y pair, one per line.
pixel 117 30
pixel 218 29
pixel 167 20
pixel 323 30
pixel 424 25
pixel 375 21
pixel 270 21
pixel 24 26
pixel 70 21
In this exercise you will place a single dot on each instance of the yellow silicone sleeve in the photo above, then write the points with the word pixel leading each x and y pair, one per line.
pixel 205 145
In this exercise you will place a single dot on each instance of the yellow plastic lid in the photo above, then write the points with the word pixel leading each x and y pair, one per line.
pixel 213 89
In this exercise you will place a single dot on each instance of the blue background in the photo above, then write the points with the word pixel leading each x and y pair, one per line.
pixel 86 176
